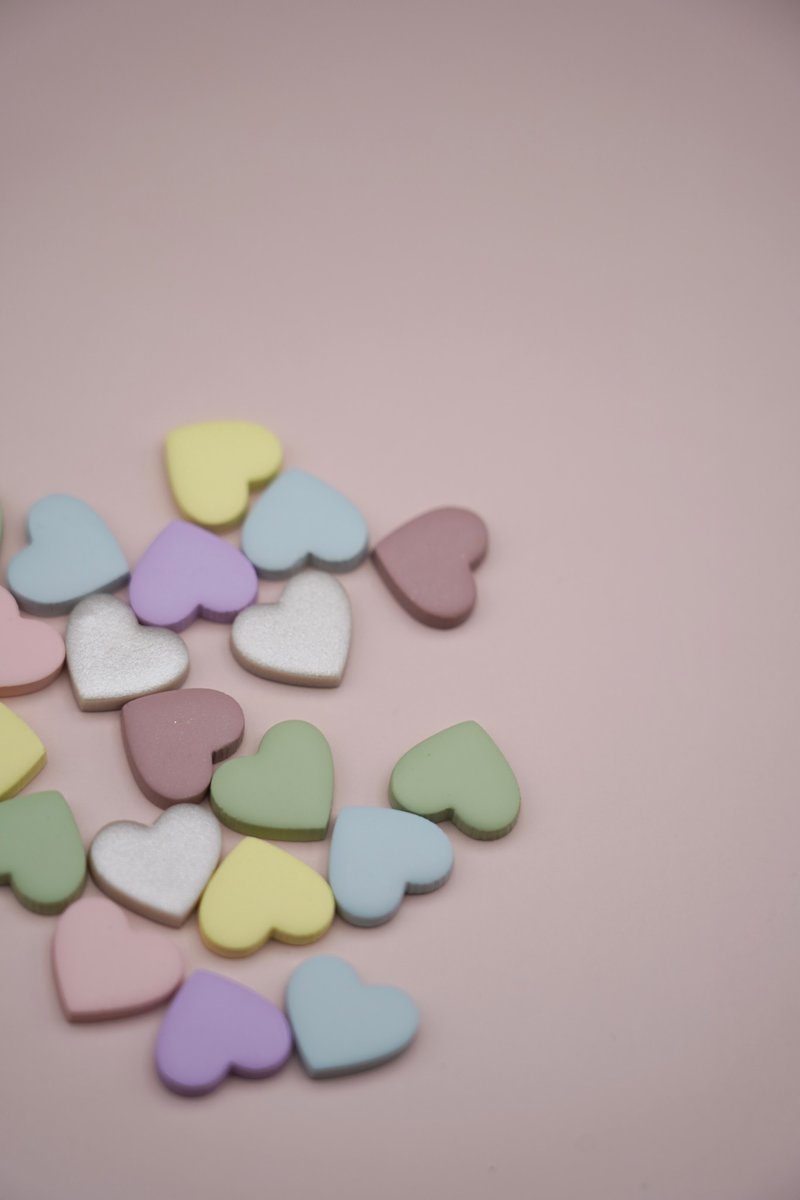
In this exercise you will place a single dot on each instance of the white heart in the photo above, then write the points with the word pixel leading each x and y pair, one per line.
pixel 303 638
pixel 159 870
pixel 112 659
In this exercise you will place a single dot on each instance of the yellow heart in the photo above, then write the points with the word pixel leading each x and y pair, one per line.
pixel 213 466
pixel 22 755
pixel 259 892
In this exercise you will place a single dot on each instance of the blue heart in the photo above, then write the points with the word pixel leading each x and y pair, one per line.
pixel 341 1025
pixel 72 553
pixel 379 854
pixel 299 520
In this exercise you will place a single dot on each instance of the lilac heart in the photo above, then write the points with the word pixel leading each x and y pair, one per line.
pixel 188 572
pixel 216 1027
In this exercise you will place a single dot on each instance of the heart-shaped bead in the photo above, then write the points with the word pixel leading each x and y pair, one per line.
pixel 188 572
pixel 104 969
pixel 159 870
pixel 379 854
pixel 427 564
pixel 215 1027
pixel 112 659
pixel 341 1025
pixel 458 775
pixel 72 554
pixel 303 638
pixel 213 466
pixel 41 852
pixel 172 740
pixel 302 521
pixel 22 754
pixel 259 892
pixel 31 653
pixel 284 791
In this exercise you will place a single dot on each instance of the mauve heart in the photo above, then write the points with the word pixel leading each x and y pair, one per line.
pixel 427 564
pixel 31 653
pixel 173 739
pixel 216 1027
pixel 188 572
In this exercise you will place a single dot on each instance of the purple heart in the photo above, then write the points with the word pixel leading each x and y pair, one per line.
pixel 216 1027
pixel 188 572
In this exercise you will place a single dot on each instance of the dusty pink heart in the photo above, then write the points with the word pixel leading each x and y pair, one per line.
pixel 31 652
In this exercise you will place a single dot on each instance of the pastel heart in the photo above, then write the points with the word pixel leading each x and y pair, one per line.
pixel 104 969
pixel 377 855
pixel 300 520
pixel 215 1027
pixel 188 572
pixel 284 791
pixel 112 659
pixel 160 870
pixel 213 466
pixel 41 852
pixel 427 564
pixel 259 892
pixel 341 1025
pixel 72 554
pixel 304 638
pixel 172 740
pixel 22 754
pixel 458 775
pixel 31 653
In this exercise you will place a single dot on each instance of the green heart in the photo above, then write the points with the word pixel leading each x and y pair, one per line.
pixel 285 791
pixel 41 853
pixel 458 775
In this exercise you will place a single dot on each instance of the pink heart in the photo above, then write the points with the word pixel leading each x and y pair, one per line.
pixel 31 652
pixel 104 969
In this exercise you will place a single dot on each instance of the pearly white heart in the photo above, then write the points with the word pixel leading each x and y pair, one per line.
pixel 112 659
pixel 159 870
pixel 303 638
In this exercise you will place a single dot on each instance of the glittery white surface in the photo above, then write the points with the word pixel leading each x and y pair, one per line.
pixel 161 870
pixel 303 638
pixel 112 659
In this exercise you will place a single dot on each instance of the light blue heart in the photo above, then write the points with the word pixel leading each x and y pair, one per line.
pixel 340 1024
pixel 300 520
pixel 72 553
pixel 379 854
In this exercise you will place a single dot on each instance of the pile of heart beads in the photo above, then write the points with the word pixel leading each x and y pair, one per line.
pixel 180 741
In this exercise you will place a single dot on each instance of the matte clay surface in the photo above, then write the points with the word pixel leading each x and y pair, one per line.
pixel 159 871
pixel 284 791
pixel 377 855
pixel 22 753
pixel 112 659
pixel 41 852
pixel 539 259
pixel 301 521
pixel 458 775
pixel 427 564
pixel 341 1025
pixel 31 652
pixel 260 892
pixel 212 467
pixel 104 969
pixel 188 572
pixel 215 1027
pixel 173 739
pixel 72 553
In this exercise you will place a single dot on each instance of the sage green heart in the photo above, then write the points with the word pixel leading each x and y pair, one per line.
pixel 458 775
pixel 41 853
pixel 285 791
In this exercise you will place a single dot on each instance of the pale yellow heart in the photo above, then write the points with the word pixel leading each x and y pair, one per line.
pixel 259 892
pixel 213 466
pixel 22 754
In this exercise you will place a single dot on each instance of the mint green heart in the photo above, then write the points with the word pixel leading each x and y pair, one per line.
pixel 285 791
pixel 41 853
pixel 458 775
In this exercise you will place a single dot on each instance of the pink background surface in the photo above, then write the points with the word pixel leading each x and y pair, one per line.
pixel 541 260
